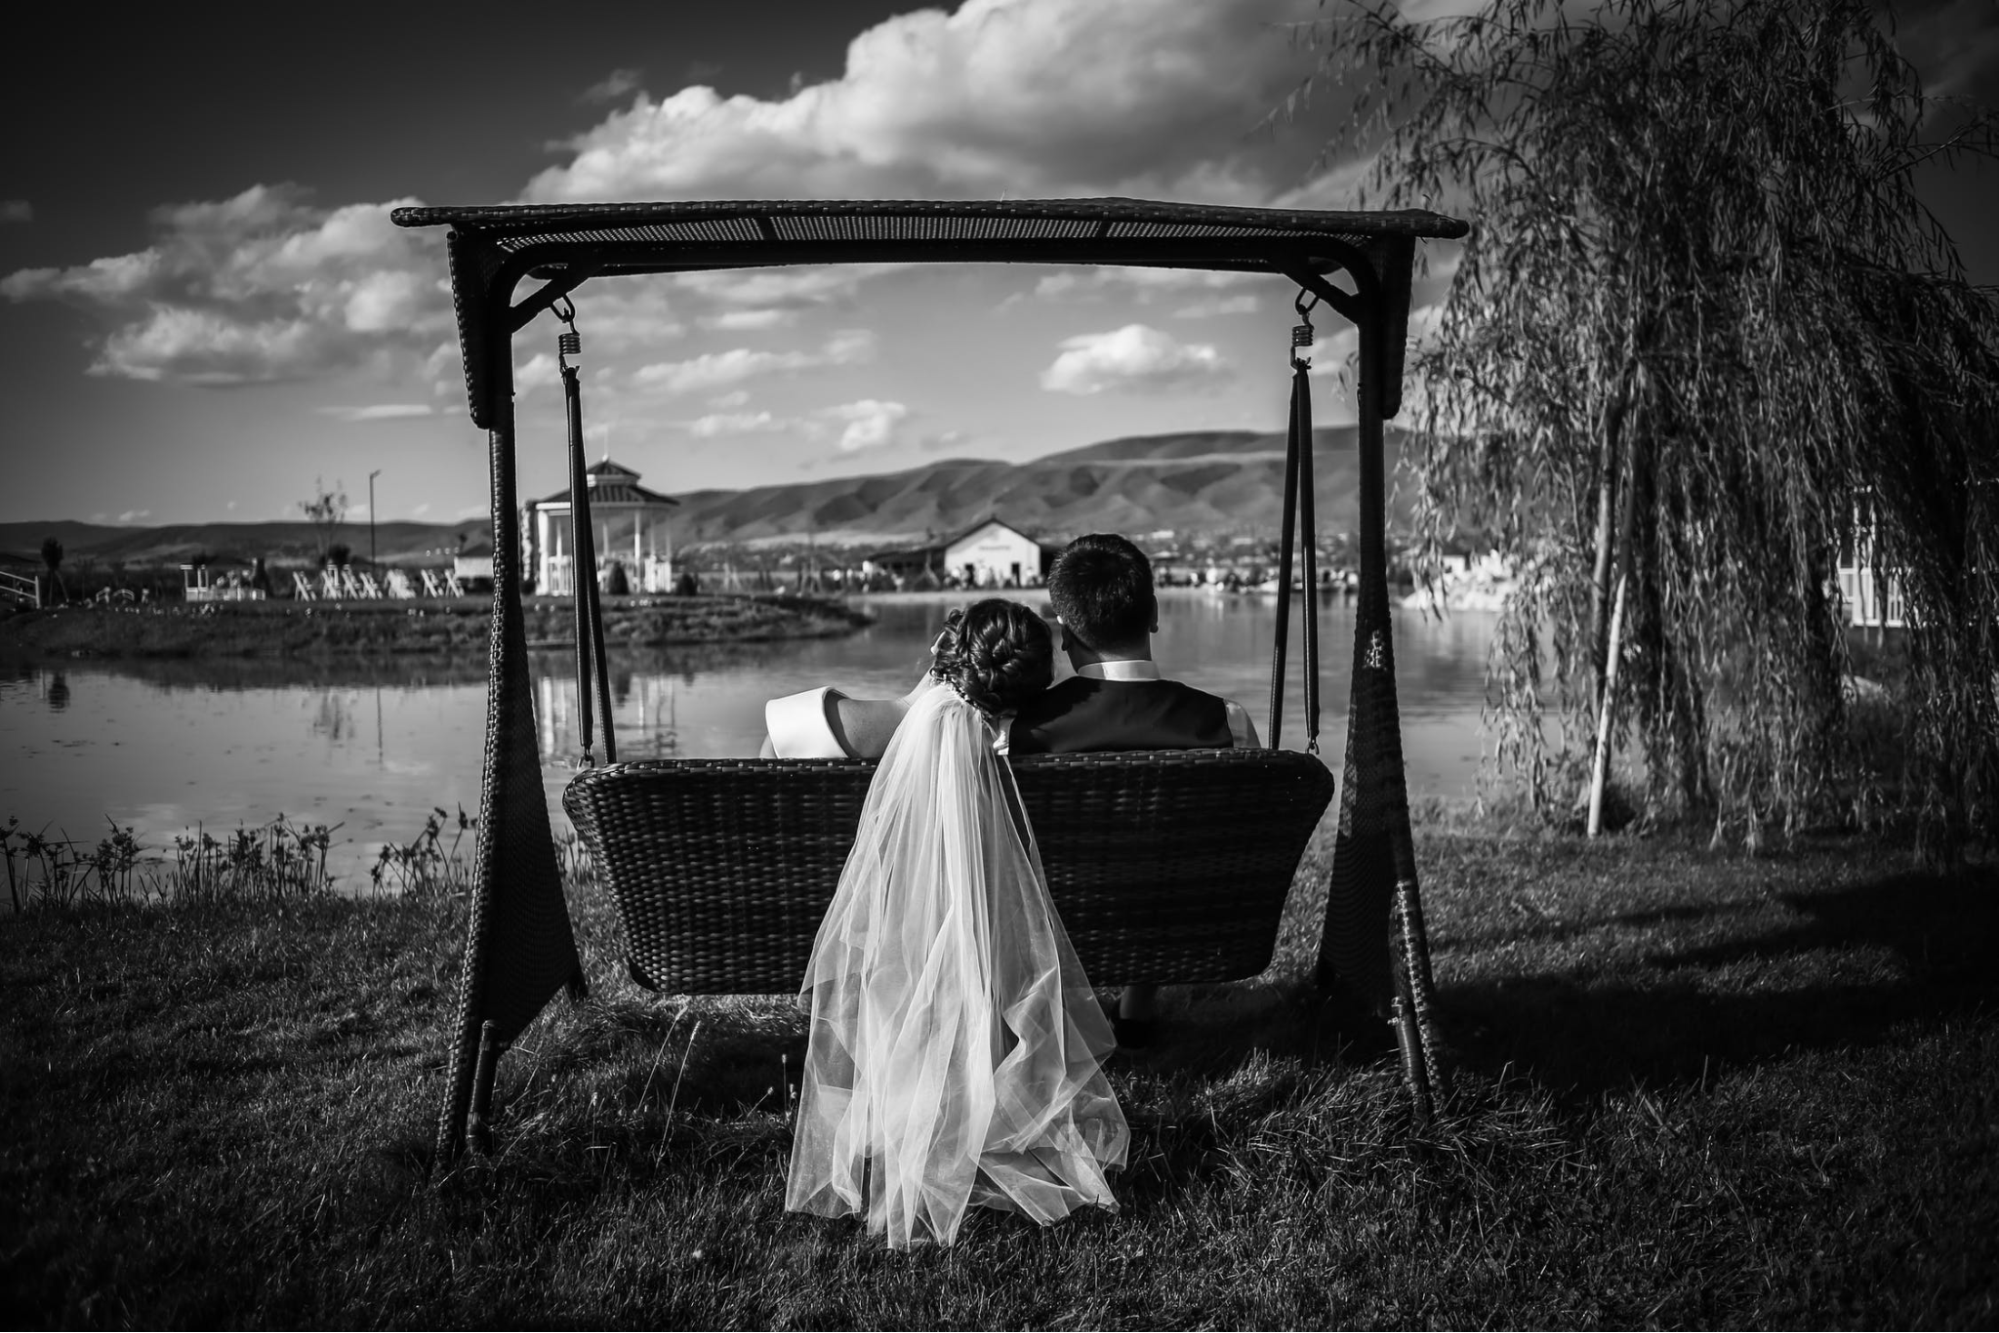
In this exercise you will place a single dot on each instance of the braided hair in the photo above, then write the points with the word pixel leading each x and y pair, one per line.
pixel 997 654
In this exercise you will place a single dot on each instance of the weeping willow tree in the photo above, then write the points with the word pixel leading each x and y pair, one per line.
pixel 1703 334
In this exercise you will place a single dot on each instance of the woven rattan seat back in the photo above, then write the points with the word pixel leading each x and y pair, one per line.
pixel 1166 866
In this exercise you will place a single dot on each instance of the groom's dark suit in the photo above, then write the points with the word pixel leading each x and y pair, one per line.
pixel 1132 710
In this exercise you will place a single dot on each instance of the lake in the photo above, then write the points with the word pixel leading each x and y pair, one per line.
pixel 167 746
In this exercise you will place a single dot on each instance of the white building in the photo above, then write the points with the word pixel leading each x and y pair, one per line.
pixel 1873 595
pixel 630 525
pixel 993 554
pixel 989 554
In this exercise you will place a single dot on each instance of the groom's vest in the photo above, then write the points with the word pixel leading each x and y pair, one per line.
pixel 1084 714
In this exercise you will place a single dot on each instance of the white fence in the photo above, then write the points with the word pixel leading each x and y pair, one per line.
pixel 22 586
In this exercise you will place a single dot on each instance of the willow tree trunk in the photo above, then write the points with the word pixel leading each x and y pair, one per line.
pixel 1611 645
pixel 1606 508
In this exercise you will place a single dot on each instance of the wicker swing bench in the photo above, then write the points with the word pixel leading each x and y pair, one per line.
pixel 1167 866
pixel 1146 889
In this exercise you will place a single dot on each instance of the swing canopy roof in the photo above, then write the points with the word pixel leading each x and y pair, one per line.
pixel 492 248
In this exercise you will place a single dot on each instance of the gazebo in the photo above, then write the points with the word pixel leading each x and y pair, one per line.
pixel 521 949
pixel 629 522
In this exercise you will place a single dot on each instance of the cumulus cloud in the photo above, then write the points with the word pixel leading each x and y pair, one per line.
pixel 1136 356
pixel 717 370
pixel 1027 97
pixel 752 320
pixel 1210 307
pixel 613 87
pixel 263 286
pixel 787 289
pixel 1152 98
pixel 869 423
pixel 444 368
pixel 378 412
pixel 1143 284
pixel 16 210
pixel 537 372
pixel 621 314
pixel 717 424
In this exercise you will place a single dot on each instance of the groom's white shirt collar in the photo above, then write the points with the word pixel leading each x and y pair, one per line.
pixel 1138 670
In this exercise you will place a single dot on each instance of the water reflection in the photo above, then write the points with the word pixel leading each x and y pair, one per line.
pixel 373 746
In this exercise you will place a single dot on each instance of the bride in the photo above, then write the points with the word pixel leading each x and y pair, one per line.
pixel 956 1046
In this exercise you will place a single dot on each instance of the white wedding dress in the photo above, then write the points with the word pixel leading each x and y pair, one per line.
pixel 956 1046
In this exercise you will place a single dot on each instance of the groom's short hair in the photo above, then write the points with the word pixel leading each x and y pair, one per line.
pixel 1101 586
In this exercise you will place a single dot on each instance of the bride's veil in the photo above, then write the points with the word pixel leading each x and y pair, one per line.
pixel 956 1043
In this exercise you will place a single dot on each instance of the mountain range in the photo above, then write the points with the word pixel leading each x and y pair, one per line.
pixel 1212 482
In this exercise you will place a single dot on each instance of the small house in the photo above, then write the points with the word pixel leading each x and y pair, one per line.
pixel 993 554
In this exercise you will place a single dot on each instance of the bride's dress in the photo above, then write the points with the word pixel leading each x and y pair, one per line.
pixel 955 1045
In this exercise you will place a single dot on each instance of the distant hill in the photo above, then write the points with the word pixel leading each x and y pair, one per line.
pixel 394 542
pixel 1198 481
pixel 1201 481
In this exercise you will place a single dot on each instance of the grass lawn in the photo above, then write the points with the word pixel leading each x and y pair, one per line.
pixel 1693 1089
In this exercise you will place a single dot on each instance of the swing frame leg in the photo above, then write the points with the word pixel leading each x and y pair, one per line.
pixel 520 948
pixel 1415 1037
pixel 479 1118
pixel 1374 944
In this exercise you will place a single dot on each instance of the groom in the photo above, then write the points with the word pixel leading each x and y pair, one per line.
pixel 1101 586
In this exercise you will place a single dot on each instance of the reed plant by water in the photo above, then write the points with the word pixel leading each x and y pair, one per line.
pixel 427 864
pixel 271 862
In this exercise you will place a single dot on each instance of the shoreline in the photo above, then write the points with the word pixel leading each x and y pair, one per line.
pixel 428 627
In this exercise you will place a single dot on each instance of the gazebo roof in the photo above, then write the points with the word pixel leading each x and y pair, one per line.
pixel 611 493
pixel 610 483
pixel 493 247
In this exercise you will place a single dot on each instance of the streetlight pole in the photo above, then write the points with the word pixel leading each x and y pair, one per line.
pixel 371 514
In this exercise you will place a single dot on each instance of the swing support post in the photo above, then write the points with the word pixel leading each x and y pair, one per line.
pixel 1372 897
pixel 520 948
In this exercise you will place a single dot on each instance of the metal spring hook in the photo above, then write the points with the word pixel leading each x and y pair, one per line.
pixel 1301 333
pixel 570 342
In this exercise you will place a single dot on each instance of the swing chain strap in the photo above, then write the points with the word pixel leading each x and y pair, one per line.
pixel 581 557
pixel 1308 533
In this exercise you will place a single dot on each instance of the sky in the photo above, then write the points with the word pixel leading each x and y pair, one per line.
pixel 205 312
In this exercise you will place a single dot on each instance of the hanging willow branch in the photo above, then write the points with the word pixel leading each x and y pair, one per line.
pixel 1700 289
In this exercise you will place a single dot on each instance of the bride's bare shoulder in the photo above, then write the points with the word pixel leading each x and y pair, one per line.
pixel 863 726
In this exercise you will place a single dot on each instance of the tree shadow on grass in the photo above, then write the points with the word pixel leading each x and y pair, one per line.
pixel 1849 967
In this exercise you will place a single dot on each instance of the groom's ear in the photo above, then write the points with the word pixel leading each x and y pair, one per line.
pixel 1068 643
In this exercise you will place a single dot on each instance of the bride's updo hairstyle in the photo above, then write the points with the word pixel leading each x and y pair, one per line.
pixel 997 654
